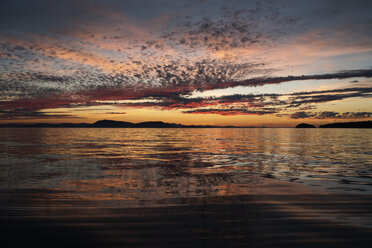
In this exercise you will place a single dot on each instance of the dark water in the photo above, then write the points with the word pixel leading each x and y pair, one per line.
pixel 185 187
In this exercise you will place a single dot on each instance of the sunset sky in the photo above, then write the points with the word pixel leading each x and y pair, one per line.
pixel 216 62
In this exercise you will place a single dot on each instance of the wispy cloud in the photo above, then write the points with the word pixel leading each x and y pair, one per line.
pixel 231 111
pixel 331 115
pixel 23 114
pixel 116 113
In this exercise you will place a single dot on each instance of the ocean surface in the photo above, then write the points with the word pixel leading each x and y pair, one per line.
pixel 220 187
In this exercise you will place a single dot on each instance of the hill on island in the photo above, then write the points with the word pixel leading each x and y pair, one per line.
pixel 359 124
pixel 160 124
pixel 109 124
pixel 305 125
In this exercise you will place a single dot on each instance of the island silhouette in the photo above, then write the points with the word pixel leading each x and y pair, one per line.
pixel 160 124
pixel 359 124
pixel 305 125
pixel 112 124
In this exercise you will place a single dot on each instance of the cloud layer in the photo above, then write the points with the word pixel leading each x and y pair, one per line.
pixel 68 54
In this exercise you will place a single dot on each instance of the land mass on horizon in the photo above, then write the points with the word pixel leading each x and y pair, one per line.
pixel 160 124
pixel 358 124
pixel 305 125
pixel 113 124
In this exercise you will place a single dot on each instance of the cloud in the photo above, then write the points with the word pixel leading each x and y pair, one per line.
pixel 254 104
pixel 303 98
pixel 68 53
pixel 284 101
pixel 301 115
pixel 231 111
pixel 23 114
pixel 170 80
pixel 172 77
pixel 331 115
pixel 116 113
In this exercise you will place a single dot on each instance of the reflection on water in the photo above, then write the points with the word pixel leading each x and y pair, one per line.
pixel 145 163
pixel 123 183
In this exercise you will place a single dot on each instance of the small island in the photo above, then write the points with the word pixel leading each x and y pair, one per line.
pixel 305 125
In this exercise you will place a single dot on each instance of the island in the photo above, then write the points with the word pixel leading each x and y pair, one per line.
pixel 111 124
pixel 160 124
pixel 359 124
pixel 305 125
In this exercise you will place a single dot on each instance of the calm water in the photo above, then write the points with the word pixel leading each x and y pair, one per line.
pixel 153 163
pixel 91 180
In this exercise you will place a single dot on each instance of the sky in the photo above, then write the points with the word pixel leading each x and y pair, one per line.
pixel 273 63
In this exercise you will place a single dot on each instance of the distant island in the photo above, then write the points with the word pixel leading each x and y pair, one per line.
pixel 305 125
pixel 160 124
pixel 113 124
pixel 359 124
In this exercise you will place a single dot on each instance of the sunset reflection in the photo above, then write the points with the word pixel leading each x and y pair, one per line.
pixel 152 164
pixel 185 124
pixel 215 184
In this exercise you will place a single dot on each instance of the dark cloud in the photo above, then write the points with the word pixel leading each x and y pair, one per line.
pixel 47 102
pixel 231 30
pixel 303 98
pixel 17 114
pixel 81 53
pixel 171 99
pixel 342 90
pixel 231 111
pixel 331 115
pixel 169 80
pixel 295 100
pixel 301 115
pixel 115 113
pixel 182 78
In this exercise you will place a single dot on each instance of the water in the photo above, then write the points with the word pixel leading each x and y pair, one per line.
pixel 176 161
pixel 111 182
